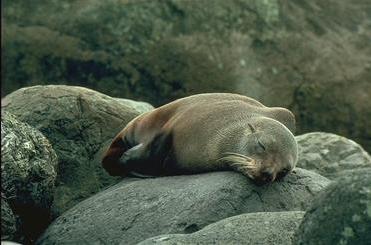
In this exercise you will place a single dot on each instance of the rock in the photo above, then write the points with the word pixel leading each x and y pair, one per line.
pixel 28 174
pixel 253 228
pixel 139 106
pixel 9 243
pixel 134 210
pixel 339 108
pixel 78 122
pixel 306 55
pixel 329 154
pixel 8 221
pixel 341 214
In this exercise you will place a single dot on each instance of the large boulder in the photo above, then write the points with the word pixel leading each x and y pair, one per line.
pixel 330 154
pixel 341 214
pixel 311 56
pixel 253 228
pixel 79 123
pixel 28 174
pixel 134 210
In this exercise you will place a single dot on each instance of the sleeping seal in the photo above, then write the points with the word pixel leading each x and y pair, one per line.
pixel 207 132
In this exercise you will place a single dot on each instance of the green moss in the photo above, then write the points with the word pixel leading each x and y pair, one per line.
pixel 269 10
pixel 348 232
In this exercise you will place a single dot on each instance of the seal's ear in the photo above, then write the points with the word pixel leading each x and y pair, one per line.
pixel 253 130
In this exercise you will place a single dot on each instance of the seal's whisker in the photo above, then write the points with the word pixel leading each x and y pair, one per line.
pixel 237 154
pixel 240 162
pixel 234 159
pixel 238 166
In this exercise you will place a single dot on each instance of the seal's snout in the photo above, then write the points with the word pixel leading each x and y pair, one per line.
pixel 267 176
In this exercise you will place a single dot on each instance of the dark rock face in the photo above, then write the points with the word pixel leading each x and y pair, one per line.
pixel 28 174
pixel 134 210
pixel 341 214
pixel 78 122
pixel 310 56
pixel 253 228
pixel 330 154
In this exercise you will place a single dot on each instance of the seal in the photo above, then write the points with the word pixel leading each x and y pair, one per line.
pixel 207 132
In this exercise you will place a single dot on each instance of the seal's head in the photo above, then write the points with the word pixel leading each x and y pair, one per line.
pixel 267 151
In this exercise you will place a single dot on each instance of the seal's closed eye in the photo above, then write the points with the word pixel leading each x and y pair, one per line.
pixel 253 130
pixel 261 145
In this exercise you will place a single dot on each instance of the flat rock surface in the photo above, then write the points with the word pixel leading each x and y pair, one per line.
pixel 341 213
pixel 254 228
pixel 134 210
pixel 78 122
pixel 330 154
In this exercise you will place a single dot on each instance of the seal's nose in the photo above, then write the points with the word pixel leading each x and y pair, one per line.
pixel 267 176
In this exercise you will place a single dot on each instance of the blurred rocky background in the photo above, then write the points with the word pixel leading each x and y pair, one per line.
pixel 311 56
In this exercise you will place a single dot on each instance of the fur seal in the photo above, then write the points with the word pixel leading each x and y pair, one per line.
pixel 207 132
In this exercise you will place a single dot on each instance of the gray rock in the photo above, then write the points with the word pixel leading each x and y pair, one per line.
pixel 139 106
pixel 8 221
pixel 341 213
pixel 329 154
pixel 130 212
pixel 9 243
pixel 28 174
pixel 253 228
pixel 78 122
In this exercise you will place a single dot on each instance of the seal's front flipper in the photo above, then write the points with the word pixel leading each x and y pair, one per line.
pixel 135 158
pixel 148 158
pixel 133 154
pixel 160 145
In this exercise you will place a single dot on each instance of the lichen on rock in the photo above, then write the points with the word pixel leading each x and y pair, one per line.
pixel 330 154
pixel 28 174
pixel 8 221
pixel 340 214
